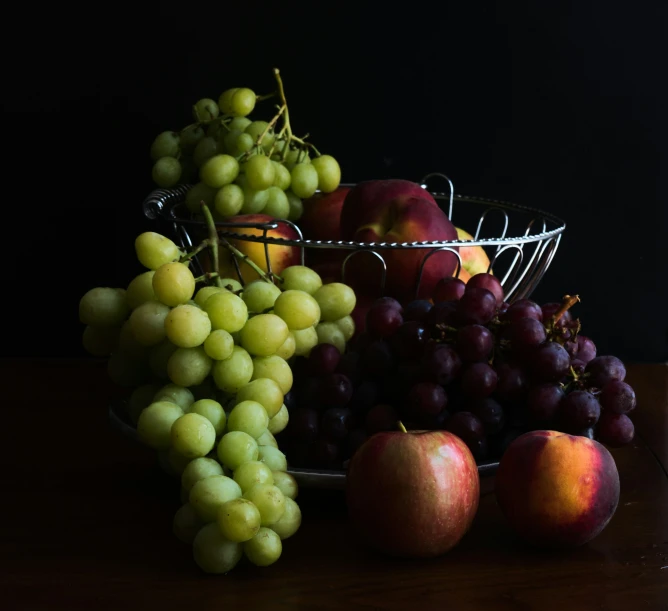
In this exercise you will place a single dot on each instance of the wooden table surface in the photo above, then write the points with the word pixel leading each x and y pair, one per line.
pixel 87 525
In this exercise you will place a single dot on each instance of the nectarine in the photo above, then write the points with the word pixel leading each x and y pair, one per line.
pixel 474 258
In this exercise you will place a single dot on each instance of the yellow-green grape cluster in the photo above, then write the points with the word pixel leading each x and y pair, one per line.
pixel 209 369
pixel 242 165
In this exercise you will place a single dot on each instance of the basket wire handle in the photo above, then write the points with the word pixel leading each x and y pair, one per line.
pixel 372 252
pixel 429 254
pixel 425 185
pixel 513 268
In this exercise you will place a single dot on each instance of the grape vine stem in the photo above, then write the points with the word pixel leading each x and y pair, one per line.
pixel 569 301
pixel 401 426
pixel 242 257
pixel 213 240
pixel 189 256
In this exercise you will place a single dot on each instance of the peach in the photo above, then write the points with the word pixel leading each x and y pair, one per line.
pixel 557 490
pixel 474 258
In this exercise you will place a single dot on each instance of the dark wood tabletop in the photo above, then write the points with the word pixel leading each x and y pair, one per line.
pixel 87 519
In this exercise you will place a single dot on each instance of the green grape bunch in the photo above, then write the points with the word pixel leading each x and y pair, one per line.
pixel 238 164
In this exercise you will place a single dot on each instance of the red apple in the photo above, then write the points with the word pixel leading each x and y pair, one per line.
pixel 321 219
pixel 412 494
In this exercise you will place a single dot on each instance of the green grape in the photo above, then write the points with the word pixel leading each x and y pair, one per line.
pixel 189 366
pixel 193 436
pixel 277 204
pixel 100 341
pixel 229 142
pixel 234 372
pixel 219 345
pixel 231 284
pixel 229 200
pixel 240 123
pixel 184 496
pixel 282 176
pixel 199 469
pixel 286 483
pixel 176 394
pixel 347 326
pixel 155 423
pixel 287 349
pixel 165 144
pixel 236 448
pixel 305 341
pixel 226 311
pixel 213 553
pixel 259 172
pixel 212 411
pixel 225 100
pixel 141 397
pixel 239 520
pixel 242 102
pixel 255 131
pixel 148 322
pixel 304 181
pixel 336 300
pixel 279 421
pixel 205 110
pixel 205 390
pixel 260 295
pixel 254 201
pixel 186 524
pixel 166 172
pixel 251 473
pixel 263 334
pixel 200 192
pixel 219 170
pixel 140 290
pixel 296 156
pixel 206 148
pixel 104 307
pixel 187 326
pixel 205 292
pixel 208 495
pixel 300 278
pixel 329 173
pixel 128 344
pixel 174 284
pixel 273 458
pixel 269 500
pixel 188 170
pixel 296 206
pixel 298 309
pixel 159 357
pixel 275 368
pixel 264 391
pixel 267 439
pixel 329 333
pixel 242 144
pixel 215 129
pixel 126 370
pixel 290 521
pixel 154 250
pixel 177 461
pixel 190 136
pixel 249 417
pixel 263 549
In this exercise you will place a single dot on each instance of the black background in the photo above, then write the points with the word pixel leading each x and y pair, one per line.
pixel 561 106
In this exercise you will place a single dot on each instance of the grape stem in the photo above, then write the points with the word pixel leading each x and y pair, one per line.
pixel 189 256
pixel 207 276
pixel 568 302
pixel 214 240
pixel 305 144
pixel 271 124
pixel 242 257
pixel 401 426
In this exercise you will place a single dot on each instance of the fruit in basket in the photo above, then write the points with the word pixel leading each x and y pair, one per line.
pixel 321 220
pixel 557 490
pixel 474 258
pixel 412 494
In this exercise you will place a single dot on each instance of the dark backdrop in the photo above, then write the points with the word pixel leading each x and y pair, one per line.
pixel 559 108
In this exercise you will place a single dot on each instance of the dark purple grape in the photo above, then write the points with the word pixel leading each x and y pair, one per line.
pixel 382 320
pixel 354 441
pixel 308 393
pixel 508 438
pixel 550 309
pixel 426 400
pixel 618 397
pixel 298 453
pixel 409 340
pixel 527 333
pixel 586 349
pixel 490 413
pixel 304 425
pixel 523 308
pixel 365 396
pixel 290 400
pixel 389 301
pixel 476 307
pixel 474 343
pixel 359 343
pixel 489 282
pixel 448 289
pixel 441 365
pixel 335 390
pixel 604 369
pixel 543 403
pixel 443 313
pixel 349 366
pixel 335 423
pixel 512 384
pixel 550 362
pixel 417 310
pixel 377 359
pixel 470 430
pixel 578 366
pixel 381 418
pixel 579 410
pixel 323 359
pixel 479 381
pixel 615 430
pixel 503 308
pixel 324 454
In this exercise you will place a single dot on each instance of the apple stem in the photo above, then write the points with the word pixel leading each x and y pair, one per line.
pixel 401 426
pixel 213 240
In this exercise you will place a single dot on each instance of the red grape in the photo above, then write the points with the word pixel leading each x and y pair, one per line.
pixel 479 381
pixel 417 310
pixel 324 454
pixel 490 413
pixel 335 390
pixel 323 359
pixel 579 410
pixel 550 362
pixel 618 397
pixel 442 365
pixel 409 340
pixel 604 369
pixel 377 359
pixel 578 366
pixel 470 430
pixel 383 319
pixel 512 384
pixel 523 308
pixel 550 309
pixel 474 343
pixel 448 289
pixel 443 313
pixel 335 423
pixel 354 441
pixel 615 429
pixel 489 282
pixel 503 308
pixel 543 403
pixel 586 349
pixel 389 301
pixel 303 425
pixel 476 307
pixel 349 366
pixel 365 396
pixel 427 399
pixel 527 332
pixel 290 400
pixel 381 417
pixel 308 393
